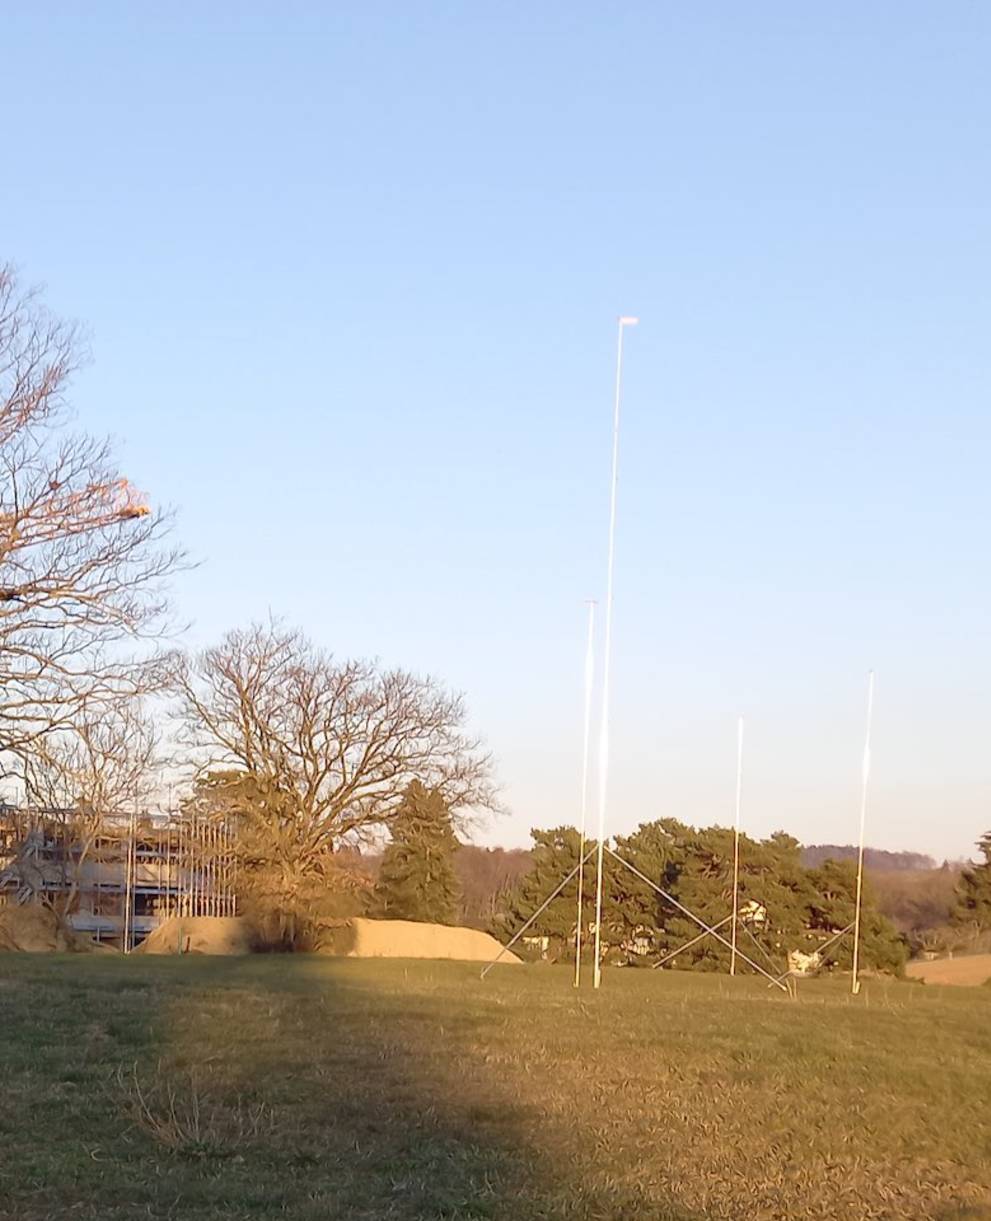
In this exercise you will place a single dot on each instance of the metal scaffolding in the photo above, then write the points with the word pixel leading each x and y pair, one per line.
pixel 123 878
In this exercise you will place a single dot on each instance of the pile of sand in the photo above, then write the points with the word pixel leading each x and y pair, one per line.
pixel 363 938
pixel 967 971
pixel 200 935
pixel 34 929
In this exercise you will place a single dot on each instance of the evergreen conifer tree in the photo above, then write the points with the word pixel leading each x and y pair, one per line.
pixel 783 906
pixel 417 880
pixel 554 856
pixel 973 904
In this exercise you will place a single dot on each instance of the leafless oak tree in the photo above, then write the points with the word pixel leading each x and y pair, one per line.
pixel 328 746
pixel 82 558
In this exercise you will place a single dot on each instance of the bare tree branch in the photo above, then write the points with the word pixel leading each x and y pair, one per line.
pixel 82 561
pixel 329 747
pixel 80 779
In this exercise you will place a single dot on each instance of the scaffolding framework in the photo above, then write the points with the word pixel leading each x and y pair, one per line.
pixel 121 880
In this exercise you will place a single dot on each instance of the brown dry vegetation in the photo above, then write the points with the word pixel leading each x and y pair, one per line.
pixel 485 875
pixel 967 971
pixel 281 1086
pixel 918 902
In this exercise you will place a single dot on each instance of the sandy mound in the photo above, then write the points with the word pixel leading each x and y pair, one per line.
pixel 33 929
pixel 362 938
pixel 969 970
pixel 199 935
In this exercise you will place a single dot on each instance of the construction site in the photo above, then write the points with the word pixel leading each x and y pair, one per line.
pixel 116 879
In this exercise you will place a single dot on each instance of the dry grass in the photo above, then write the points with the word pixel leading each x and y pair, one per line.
pixel 313 1088
pixel 182 1117
pixel 967 971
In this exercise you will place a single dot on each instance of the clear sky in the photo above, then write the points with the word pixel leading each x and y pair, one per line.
pixel 351 273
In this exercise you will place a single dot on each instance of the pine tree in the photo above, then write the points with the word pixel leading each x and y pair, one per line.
pixel 973 904
pixel 835 894
pixel 417 880
pixel 772 895
pixel 783 906
pixel 554 856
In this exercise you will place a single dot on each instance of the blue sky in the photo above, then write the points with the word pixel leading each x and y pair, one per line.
pixel 351 274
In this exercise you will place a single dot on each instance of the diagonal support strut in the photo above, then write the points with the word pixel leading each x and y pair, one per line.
pixel 543 907
pixel 691 915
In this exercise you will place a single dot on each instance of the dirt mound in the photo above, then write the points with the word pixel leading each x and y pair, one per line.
pixel 363 938
pixel 200 935
pixel 33 929
pixel 966 971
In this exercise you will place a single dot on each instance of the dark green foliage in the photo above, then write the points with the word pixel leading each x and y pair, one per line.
pixel 417 879
pixel 772 903
pixel 554 855
pixel 782 905
pixel 973 904
pixel 833 906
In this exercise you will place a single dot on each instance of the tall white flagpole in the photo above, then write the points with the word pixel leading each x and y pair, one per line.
pixel 736 844
pixel 607 656
pixel 864 777
pixel 586 738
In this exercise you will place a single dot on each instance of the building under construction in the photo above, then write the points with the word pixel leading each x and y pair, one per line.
pixel 118 879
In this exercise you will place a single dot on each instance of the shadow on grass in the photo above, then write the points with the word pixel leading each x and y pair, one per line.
pixel 378 1100
pixel 320 1088
pixel 280 1088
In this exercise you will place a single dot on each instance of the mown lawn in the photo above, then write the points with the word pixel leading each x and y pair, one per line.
pixel 317 1088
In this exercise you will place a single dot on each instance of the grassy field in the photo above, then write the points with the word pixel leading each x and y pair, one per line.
pixel 968 970
pixel 315 1088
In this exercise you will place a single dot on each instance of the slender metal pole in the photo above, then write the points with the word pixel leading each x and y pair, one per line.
pixel 181 869
pixel 190 860
pixel 197 866
pixel 540 910
pixel 211 866
pixel 234 870
pixel 193 865
pixel 168 866
pixel 231 866
pixel 736 844
pixel 229 870
pixel 131 881
pixel 710 929
pixel 864 777
pixel 586 737
pixel 607 657
pixel 123 846
pixel 98 875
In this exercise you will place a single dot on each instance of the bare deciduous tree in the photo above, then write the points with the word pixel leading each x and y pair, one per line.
pixel 329 747
pixel 82 560
pixel 81 781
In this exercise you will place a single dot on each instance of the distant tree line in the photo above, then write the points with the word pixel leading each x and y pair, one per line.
pixel 876 859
